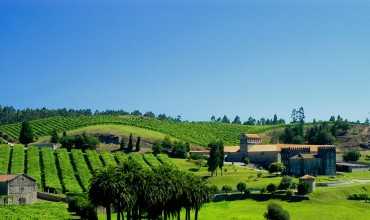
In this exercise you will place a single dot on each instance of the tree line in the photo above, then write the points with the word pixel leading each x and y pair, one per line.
pixel 316 133
pixel 138 193
pixel 9 114
pixel 251 121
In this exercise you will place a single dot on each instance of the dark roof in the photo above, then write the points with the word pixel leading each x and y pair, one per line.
pixel 303 156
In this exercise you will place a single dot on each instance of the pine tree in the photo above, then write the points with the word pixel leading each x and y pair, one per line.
pixel 137 148
pixel 130 145
pixel 26 134
pixel 237 120
pixel 54 137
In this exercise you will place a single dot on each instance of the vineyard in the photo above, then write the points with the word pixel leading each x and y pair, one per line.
pixel 60 171
pixel 200 133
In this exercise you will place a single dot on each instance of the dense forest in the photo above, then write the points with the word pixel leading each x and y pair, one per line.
pixel 9 114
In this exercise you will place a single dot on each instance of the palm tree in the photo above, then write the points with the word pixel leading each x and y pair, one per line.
pixel 103 189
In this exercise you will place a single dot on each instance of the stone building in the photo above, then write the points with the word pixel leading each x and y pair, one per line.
pixel 17 189
pixel 299 159
pixel 310 181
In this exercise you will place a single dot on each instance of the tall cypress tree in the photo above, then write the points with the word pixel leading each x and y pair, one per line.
pixel 221 155
pixel 122 144
pixel 213 158
pixel 138 144
pixel 130 145
pixel 26 134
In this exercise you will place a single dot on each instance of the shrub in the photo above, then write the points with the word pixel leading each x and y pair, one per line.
pixel 242 187
pixel 286 182
pixel 80 204
pixel 289 192
pixel 226 189
pixel 360 196
pixel 246 160
pixel 214 189
pixel 302 188
pixel 352 156
pixel 271 188
pixel 276 212
pixel 275 167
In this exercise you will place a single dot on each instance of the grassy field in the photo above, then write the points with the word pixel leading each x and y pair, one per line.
pixel 198 133
pixel 324 204
pixel 231 176
pixel 39 210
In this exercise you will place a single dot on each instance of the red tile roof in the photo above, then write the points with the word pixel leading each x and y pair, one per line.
pixel 4 178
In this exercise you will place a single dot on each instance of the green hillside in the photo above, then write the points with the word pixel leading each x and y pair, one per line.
pixel 199 133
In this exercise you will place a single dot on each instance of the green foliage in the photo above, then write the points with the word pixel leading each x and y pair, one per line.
pixel 286 183
pixel 33 164
pixel 39 210
pixel 276 212
pixel 138 158
pixel 241 187
pixel 82 169
pixel 351 156
pixel 359 196
pixel 180 149
pixel 271 188
pixel 94 160
pixel 4 158
pixel 137 145
pixel 152 160
pixel 226 189
pixel 156 148
pixel 26 133
pixel 164 159
pixel 276 167
pixel 81 205
pixel 83 141
pixel 200 133
pixel 50 171
pixel 293 134
pixel 216 156
pixel 320 134
pixel 130 145
pixel 121 157
pixel 69 180
pixel 108 158
pixel 213 189
pixel 302 188
pixel 54 137
pixel 122 144
pixel 17 166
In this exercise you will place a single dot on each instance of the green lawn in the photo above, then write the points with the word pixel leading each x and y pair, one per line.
pixel 232 175
pixel 38 210
pixel 325 204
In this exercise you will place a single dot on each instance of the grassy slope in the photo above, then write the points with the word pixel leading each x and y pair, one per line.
pixel 199 133
pixel 118 130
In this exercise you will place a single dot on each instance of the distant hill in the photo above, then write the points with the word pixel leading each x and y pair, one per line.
pixel 197 133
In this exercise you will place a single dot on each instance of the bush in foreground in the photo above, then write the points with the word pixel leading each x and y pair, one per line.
pixel 276 212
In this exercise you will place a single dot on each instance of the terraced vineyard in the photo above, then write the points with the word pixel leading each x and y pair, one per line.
pixel 200 133
pixel 60 171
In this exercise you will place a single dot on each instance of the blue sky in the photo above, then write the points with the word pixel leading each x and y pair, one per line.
pixel 194 58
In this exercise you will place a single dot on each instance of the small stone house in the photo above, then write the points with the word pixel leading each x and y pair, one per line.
pixel 17 189
pixel 310 181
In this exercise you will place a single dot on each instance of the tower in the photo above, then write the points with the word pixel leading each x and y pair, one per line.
pixel 246 140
